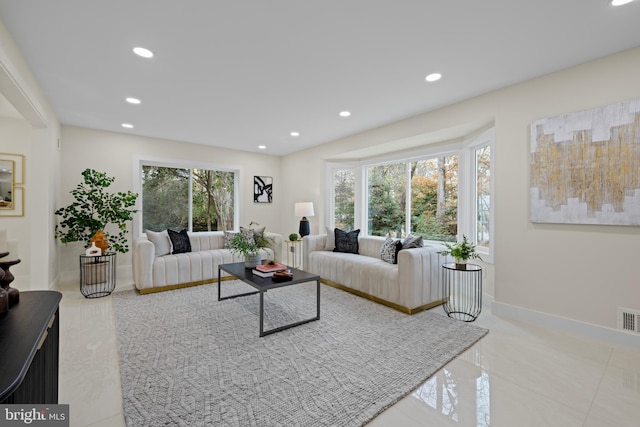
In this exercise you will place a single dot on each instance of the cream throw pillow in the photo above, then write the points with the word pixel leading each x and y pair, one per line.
pixel 160 240
pixel 330 243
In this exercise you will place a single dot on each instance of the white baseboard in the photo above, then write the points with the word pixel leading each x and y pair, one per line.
pixel 576 327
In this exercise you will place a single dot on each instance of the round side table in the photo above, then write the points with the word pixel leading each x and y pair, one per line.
pixel 97 275
pixel 462 291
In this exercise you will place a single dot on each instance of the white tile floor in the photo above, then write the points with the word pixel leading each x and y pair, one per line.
pixel 517 375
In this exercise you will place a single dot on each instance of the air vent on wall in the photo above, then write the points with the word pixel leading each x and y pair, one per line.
pixel 629 320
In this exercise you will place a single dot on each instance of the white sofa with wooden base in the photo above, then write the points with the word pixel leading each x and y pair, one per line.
pixel 158 273
pixel 411 285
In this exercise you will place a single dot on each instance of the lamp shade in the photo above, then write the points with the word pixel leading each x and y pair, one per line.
pixel 304 209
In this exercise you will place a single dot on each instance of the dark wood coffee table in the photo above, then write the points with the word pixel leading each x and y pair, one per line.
pixel 263 284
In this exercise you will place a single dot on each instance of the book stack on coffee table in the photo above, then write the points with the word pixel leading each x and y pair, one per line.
pixel 267 270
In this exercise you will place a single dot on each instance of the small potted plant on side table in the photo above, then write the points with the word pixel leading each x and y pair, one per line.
pixel 461 251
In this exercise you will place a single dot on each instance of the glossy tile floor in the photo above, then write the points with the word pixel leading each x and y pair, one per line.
pixel 517 375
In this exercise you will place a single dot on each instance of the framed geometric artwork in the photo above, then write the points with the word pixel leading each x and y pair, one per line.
pixel 585 166
pixel 262 189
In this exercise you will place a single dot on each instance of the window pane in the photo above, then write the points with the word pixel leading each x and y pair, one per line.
pixel 387 198
pixel 212 197
pixel 434 198
pixel 483 193
pixel 344 190
pixel 165 198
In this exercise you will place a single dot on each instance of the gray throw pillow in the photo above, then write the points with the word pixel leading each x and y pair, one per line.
pixel 389 251
pixel 257 234
pixel 160 240
pixel 412 241
pixel 346 242
pixel 228 235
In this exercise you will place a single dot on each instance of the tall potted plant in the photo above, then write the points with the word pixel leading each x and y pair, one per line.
pixel 85 220
pixel 94 209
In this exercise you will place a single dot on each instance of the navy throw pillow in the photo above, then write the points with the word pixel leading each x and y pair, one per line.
pixel 346 242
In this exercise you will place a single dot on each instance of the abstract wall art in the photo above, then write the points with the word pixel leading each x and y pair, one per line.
pixel 262 189
pixel 585 166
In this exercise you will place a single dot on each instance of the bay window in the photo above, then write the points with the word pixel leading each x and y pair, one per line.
pixel 441 194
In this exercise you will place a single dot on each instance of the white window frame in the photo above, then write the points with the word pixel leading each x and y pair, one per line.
pixel 139 162
pixel 485 139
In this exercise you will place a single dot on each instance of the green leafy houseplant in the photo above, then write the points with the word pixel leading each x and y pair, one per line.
pixel 242 244
pixel 461 251
pixel 293 237
pixel 93 209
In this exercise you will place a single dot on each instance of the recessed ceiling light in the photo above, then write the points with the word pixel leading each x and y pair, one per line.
pixel 294 133
pixel 145 53
pixel 127 125
pixel 433 77
pixel 133 100
pixel 262 147
pixel 345 113
pixel 620 2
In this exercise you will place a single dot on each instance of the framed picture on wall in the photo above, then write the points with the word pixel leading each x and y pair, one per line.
pixel 262 189
pixel 584 166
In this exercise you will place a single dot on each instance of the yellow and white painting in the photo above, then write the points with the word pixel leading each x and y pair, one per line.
pixel 585 166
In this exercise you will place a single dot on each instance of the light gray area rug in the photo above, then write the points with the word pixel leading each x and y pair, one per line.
pixel 188 360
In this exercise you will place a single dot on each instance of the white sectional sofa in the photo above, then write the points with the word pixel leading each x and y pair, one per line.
pixel 158 273
pixel 411 285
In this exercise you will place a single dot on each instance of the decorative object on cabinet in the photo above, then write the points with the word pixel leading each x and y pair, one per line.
pixel 12 293
pixel 4 296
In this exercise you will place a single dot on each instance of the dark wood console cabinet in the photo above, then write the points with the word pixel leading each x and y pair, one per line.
pixel 29 349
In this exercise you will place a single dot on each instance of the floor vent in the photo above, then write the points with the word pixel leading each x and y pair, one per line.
pixel 629 320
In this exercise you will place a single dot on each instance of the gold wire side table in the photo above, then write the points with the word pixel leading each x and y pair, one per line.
pixel 294 253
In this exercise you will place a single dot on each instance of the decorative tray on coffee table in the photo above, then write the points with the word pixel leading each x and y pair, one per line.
pixel 282 276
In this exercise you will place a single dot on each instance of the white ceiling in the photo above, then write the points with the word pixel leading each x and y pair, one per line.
pixel 242 73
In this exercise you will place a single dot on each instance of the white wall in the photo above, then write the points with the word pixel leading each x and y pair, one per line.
pixel 579 272
pixel 35 137
pixel 15 137
pixel 114 154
